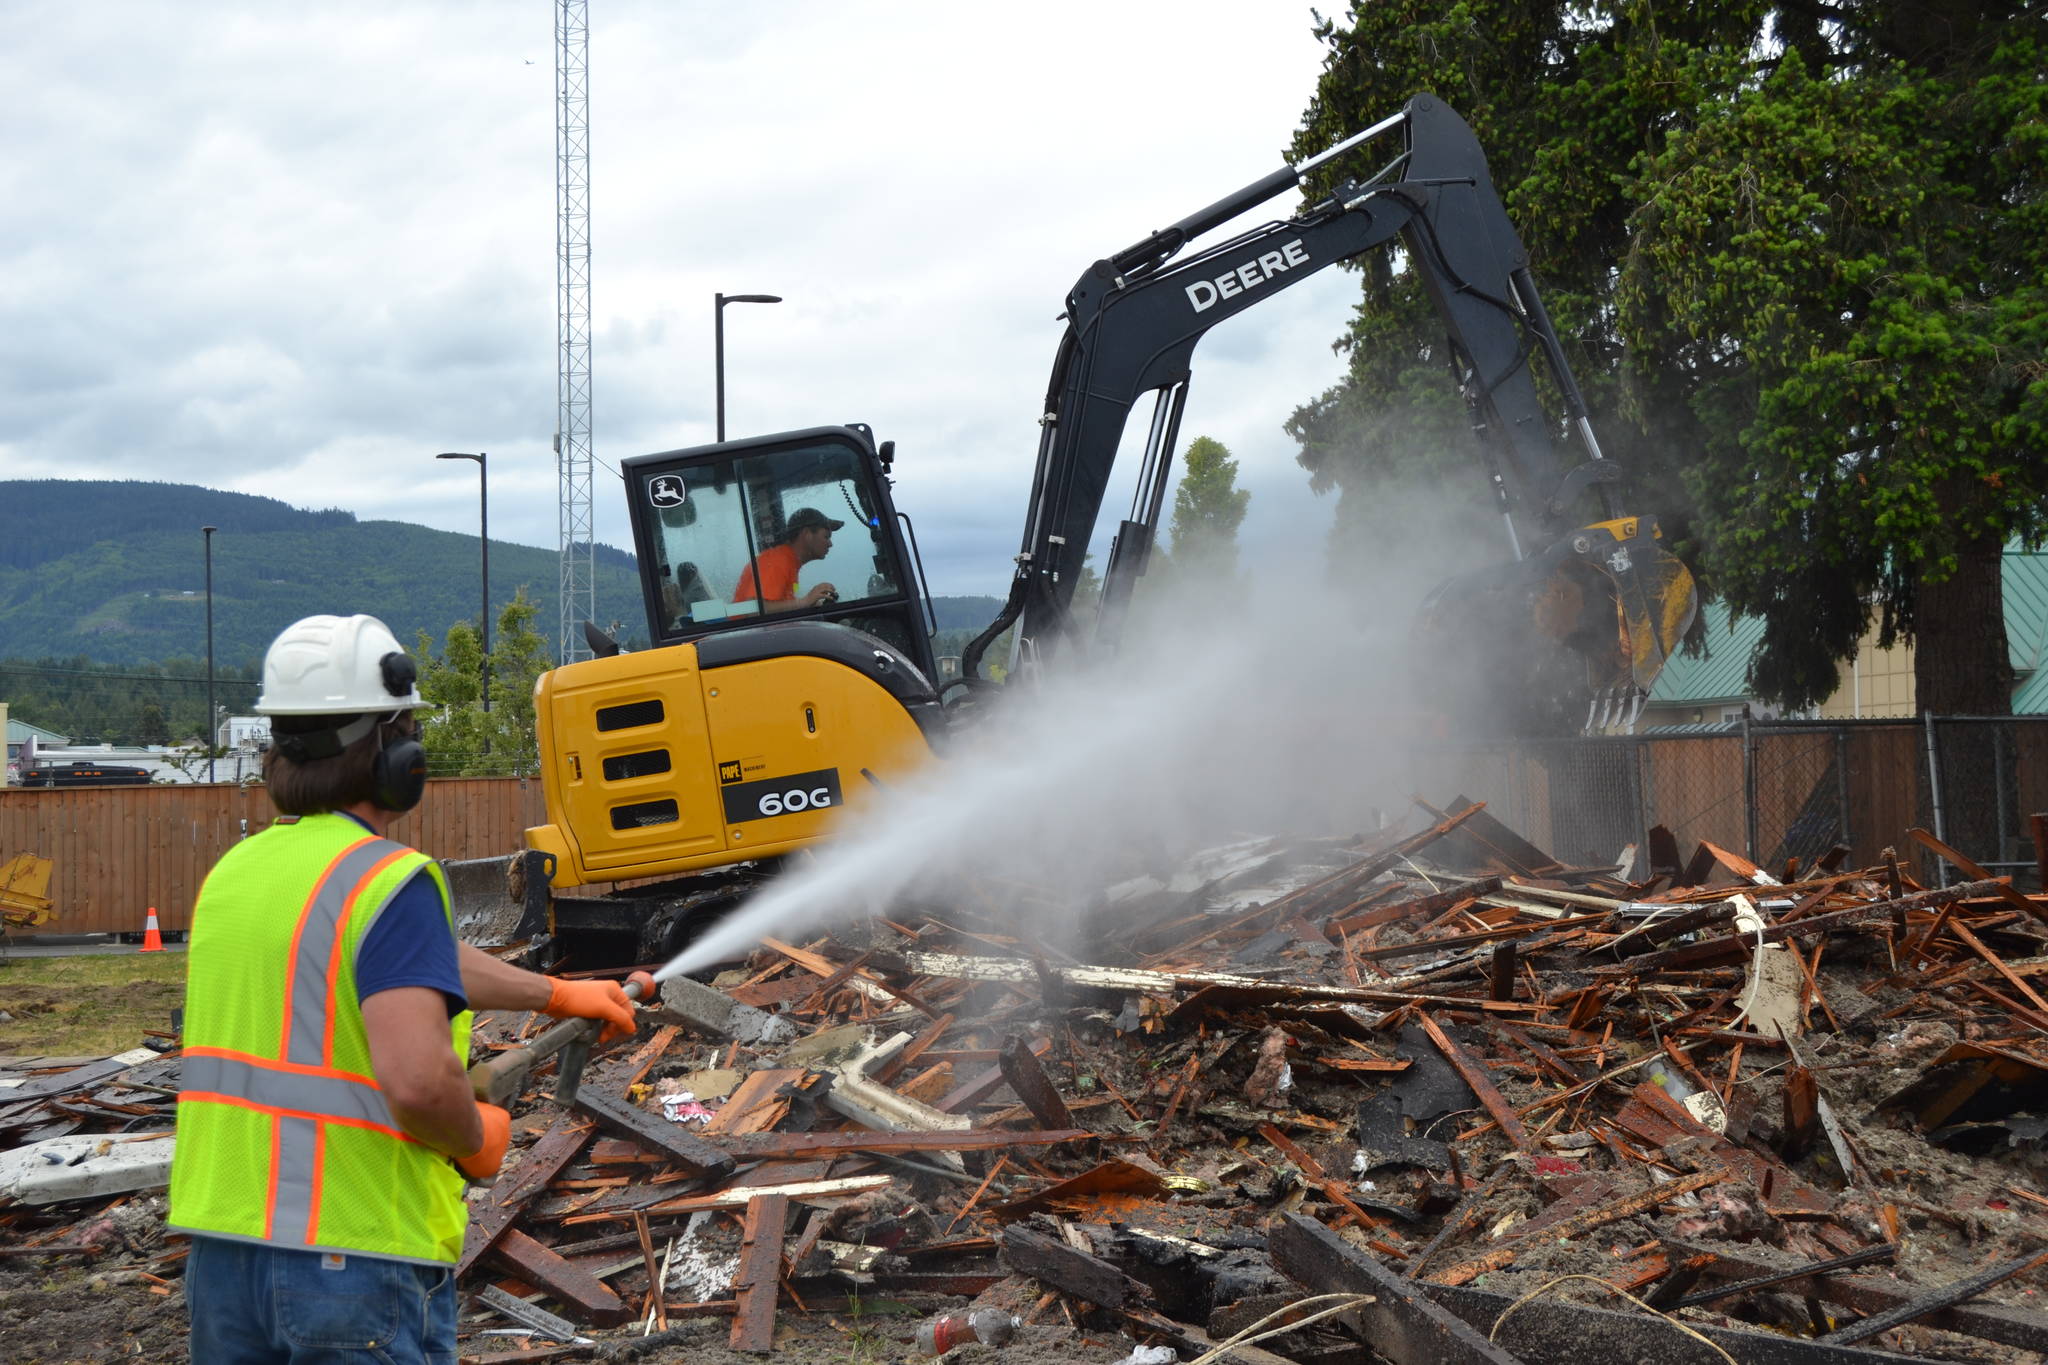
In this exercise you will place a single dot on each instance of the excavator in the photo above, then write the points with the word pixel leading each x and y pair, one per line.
pixel 762 710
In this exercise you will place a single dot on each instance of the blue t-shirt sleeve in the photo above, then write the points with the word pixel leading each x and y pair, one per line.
pixel 411 945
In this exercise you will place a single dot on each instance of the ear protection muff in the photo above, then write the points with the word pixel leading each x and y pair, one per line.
pixel 399 775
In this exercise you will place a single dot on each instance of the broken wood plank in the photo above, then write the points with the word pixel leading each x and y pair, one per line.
pixel 696 1156
pixel 1028 1079
pixel 2005 891
pixel 1736 945
pixel 757 1105
pixel 1417 907
pixel 1058 1266
pixel 759 1278
pixel 1400 1324
pixel 1475 1074
pixel 800 1146
pixel 1317 1176
pixel 1882 1252
pixel 574 1288
pixel 977 1088
pixel 1549 1328
pixel 542 1162
pixel 2020 1328
pixel 1955 1292
pixel 1624 1207
pixel 739 1196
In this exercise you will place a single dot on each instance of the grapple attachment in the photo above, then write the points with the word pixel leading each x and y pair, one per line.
pixel 1586 626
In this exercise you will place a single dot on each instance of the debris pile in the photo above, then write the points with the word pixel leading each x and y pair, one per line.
pixel 1413 1099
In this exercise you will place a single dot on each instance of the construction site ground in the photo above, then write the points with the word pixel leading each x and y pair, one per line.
pixel 1473 1104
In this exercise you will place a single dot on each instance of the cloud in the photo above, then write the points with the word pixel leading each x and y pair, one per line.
pixel 297 252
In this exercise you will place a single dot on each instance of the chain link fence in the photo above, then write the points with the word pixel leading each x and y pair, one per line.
pixel 1772 791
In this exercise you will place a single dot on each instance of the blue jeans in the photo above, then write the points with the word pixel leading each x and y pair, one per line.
pixel 264 1305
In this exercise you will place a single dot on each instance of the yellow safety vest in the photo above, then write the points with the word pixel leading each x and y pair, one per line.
pixel 284 1137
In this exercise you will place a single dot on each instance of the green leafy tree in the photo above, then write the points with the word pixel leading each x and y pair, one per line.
pixel 462 738
pixel 1795 254
pixel 1208 508
pixel 1849 265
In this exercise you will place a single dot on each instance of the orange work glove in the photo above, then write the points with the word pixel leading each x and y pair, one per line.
pixel 483 1163
pixel 604 1000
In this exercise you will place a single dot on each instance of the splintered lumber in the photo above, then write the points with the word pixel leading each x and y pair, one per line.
pixel 757 1104
pixel 2004 892
pixel 542 1162
pixel 576 1288
pixel 696 1156
pixel 1735 944
pixel 1653 1116
pixel 1058 1266
pixel 1626 1206
pixel 1947 1296
pixel 759 1277
pixel 975 1089
pixel 1551 1328
pixel 1400 1323
pixel 1475 1075
pixel 2020 1328
pixel 739 1198
pixel 1417 907
pixel 1494 840
pixel 803 1146
pixel 1021 1069
pixel 1138 981
pixel 1316 1175
pixel 1882 1252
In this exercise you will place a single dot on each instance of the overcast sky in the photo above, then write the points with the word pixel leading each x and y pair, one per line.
pixel 295 250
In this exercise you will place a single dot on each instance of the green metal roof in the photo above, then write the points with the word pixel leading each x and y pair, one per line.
pixel 18 732
pixel 1722 674
pixel 2026 629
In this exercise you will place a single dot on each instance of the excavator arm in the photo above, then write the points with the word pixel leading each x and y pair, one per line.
pixel 1608 590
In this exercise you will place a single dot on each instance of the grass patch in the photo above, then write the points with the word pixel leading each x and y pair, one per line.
pixel 93 1005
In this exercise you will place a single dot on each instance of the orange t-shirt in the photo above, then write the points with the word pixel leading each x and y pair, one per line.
pixel 778 565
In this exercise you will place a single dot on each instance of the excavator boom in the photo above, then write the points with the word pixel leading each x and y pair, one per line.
pixel 1610 593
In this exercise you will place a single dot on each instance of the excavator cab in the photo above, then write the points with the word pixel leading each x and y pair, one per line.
pixel 720 534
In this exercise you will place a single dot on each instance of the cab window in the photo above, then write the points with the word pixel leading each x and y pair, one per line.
pixel 744 537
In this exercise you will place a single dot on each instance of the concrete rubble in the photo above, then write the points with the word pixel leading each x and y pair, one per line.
pixel 1410 1097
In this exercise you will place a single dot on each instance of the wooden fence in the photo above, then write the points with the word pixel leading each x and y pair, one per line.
pixel 1776 790
pixel 118 851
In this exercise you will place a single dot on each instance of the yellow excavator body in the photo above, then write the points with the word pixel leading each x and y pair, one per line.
pixel 654 765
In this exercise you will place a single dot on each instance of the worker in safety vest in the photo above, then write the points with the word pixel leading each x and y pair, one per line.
pixel 325 1123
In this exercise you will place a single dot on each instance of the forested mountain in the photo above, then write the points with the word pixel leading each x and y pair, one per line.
pixel 103 596
pixel 116 573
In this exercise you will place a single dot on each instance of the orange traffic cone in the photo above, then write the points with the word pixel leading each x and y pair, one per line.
pixel 152 939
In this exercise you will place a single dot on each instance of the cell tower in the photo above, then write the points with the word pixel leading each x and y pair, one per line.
pixel 572 324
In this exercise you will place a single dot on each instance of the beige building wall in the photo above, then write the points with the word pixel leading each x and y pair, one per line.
pixel 1877 685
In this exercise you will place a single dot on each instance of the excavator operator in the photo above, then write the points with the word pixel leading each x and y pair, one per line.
pixel 325 1124
pixel 806 536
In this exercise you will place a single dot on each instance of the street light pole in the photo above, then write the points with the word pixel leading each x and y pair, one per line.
pixel 212 730
pixel 718 341
pixel 483 486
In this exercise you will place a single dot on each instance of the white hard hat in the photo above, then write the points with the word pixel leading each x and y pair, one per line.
pixel 337 665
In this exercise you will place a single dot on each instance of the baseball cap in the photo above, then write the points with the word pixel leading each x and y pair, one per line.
pixel 810 516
